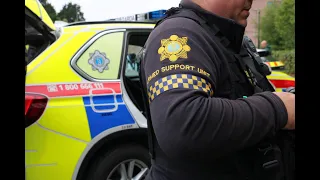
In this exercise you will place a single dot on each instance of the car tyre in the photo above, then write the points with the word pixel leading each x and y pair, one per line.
pixel 111 164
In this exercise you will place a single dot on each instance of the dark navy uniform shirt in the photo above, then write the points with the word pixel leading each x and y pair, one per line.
pixel 187 76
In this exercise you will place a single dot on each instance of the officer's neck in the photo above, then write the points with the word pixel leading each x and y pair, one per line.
pixel 229 28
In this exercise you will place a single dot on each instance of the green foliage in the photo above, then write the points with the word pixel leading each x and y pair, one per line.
pixel 50 9
pixel 267 25
pixel 278 28
pixel 285 23
pixel 288 58
pixel 71 12
pixel 278 25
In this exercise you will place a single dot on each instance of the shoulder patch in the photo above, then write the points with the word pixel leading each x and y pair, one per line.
pixel 173 48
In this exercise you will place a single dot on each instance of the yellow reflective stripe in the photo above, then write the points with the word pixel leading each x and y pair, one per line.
pixel 280 78
pixel 277 75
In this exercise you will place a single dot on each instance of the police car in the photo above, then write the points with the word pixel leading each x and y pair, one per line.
pixel 83 105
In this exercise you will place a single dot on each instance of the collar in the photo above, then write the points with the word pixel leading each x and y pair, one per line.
pixel 227 27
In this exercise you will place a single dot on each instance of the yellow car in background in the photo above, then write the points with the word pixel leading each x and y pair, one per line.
pixel 281 80
pixel 83 105
pixel 278 78
pixel 270 60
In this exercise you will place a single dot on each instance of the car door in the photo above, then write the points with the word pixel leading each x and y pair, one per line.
pixel 135 39
pixel 99 62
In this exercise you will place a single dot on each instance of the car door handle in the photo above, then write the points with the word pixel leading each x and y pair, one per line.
pixel 93 105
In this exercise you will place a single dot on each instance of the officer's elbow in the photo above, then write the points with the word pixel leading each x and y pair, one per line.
pixel 179 147
pixel 173 145
pixel 175 142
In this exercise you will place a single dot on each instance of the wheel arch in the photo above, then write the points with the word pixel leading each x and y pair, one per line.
pixel 136 135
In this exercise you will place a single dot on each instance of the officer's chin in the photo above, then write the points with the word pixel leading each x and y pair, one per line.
pixel 243 22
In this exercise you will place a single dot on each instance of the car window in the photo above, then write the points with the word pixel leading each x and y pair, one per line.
pixel 102 59
pixel 133 61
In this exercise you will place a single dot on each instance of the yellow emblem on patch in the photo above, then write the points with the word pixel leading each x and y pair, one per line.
pixel 174 48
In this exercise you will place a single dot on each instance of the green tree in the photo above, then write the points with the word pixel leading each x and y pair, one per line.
pixel 278 28
pixel 285 24
pixel 278 25
pixel 50 9
pixel 71 12
pixel 267 26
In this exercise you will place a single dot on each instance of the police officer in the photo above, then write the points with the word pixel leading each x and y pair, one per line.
pixel 209 113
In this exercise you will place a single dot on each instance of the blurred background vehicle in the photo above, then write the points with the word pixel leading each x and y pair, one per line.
pixel 270 60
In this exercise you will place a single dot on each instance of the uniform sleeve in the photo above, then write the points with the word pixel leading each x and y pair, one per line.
pixel 182 71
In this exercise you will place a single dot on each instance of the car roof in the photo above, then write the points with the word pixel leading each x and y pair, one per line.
pixel 109 24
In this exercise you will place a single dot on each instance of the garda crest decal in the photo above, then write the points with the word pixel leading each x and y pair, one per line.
pixel 98 61
pixel 174 48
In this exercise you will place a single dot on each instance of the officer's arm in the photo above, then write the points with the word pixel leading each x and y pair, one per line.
pixel 187 119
